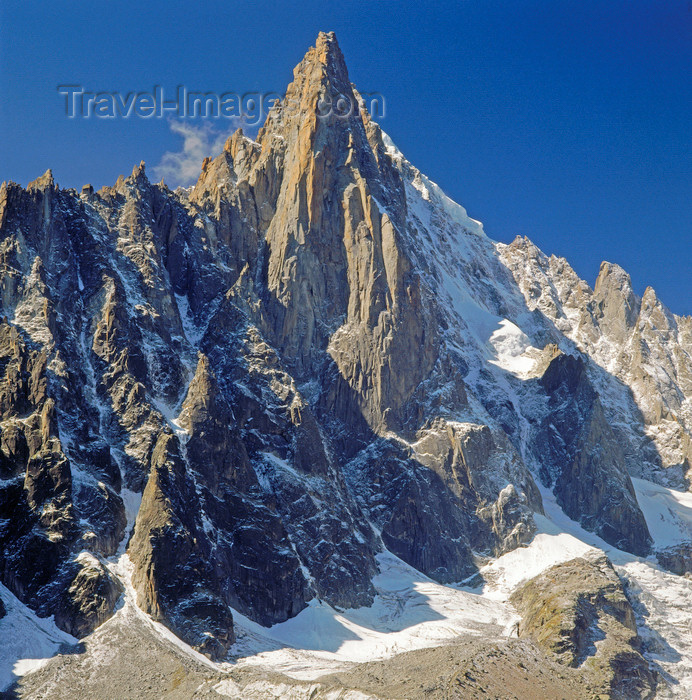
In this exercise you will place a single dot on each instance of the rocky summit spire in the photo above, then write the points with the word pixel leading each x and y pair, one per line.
pixel 44 182
pixel 323 64
pixel 320 89
pixel 315 170
pixel 327 52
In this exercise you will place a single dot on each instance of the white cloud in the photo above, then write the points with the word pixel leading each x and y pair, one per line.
pixel 183 167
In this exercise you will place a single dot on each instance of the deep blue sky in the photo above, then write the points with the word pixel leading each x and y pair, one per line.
pixel 569 122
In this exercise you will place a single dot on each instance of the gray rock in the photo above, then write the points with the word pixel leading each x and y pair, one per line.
pixel 583 458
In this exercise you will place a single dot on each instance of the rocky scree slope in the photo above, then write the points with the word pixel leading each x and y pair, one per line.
pixel 309 356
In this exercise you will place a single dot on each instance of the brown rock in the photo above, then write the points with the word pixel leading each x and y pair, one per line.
pixel 579 612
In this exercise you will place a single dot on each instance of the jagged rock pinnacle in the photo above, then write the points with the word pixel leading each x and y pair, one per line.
pixel 328 53
pixel 139 170
pixel 43 182
pixel 321 78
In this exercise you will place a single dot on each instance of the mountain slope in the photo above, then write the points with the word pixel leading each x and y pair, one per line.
pixel 229 402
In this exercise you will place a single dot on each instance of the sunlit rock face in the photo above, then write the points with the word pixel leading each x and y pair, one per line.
pixel 578 612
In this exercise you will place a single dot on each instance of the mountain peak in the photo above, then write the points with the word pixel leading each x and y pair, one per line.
pixel 327 40
pixel 319 99
pixel 139 170
pixel 324 65
pixel 327 51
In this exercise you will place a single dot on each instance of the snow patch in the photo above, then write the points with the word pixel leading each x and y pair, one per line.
pixel 514 352
pixel 432 192
pixel 26 640
pixel 668 512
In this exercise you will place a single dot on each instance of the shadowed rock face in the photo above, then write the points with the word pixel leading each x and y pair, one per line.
pixel 584 460
pixel 89 598
pixel 39 525
pixel 676 558
pixel 578 611
pixel 276 361
pixel 206 537
pixel 450 495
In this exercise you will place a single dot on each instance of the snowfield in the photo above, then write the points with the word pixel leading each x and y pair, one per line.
pixel 668 512
pixel 515 354
pixel 410 612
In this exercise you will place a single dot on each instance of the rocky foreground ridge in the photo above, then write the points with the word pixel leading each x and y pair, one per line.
pixel 252 387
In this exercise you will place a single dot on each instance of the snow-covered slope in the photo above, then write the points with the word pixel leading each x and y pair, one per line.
pixel 28 641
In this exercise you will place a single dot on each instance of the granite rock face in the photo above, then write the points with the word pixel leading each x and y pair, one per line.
pixel 309 356
pixel 455 492
pixel 676 558
pixel 583 459
pixel 89 598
